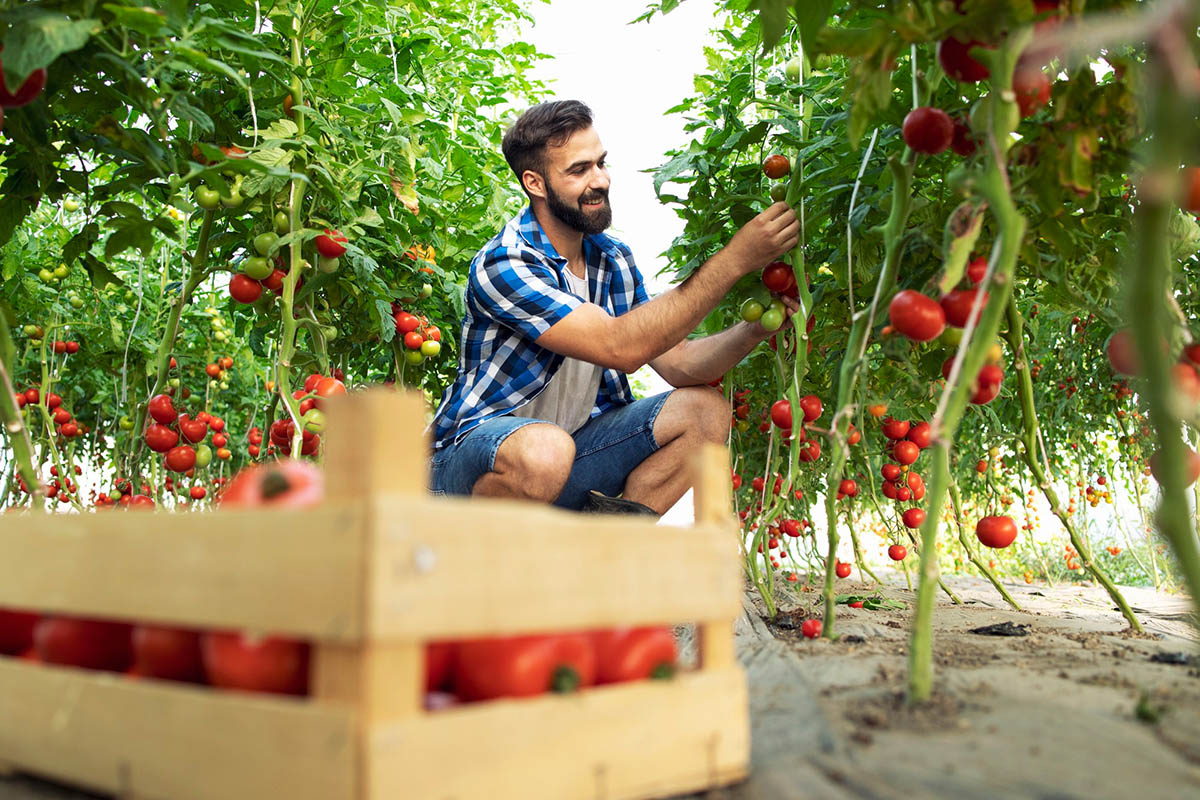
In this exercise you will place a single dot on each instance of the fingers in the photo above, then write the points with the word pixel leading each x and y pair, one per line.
pixel 792 306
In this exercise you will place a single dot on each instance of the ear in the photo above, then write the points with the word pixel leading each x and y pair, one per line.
pixel 534 184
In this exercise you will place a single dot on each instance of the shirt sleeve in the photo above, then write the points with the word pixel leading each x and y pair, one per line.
pixel 639 286
pixel 520 292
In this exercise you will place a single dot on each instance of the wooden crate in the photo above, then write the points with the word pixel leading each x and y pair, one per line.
pixel 369 577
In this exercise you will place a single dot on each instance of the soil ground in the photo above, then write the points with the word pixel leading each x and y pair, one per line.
pixel 1077 708
pixel 1052 715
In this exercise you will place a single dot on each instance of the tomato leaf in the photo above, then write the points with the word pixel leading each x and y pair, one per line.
pixel 962 231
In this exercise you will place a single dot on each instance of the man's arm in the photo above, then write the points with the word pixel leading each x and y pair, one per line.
pixel 694 362
pixel 646 332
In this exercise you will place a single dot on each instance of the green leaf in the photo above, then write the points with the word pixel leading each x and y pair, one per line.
pixel 145 19
pixel 99 274
pixel 773 17
pixel 962 231
pixel 387 325
pixel 810 18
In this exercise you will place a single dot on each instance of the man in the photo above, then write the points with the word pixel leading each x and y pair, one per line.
pixel 557 315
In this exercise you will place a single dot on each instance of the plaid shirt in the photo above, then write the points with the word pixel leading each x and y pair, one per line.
pixel 516 291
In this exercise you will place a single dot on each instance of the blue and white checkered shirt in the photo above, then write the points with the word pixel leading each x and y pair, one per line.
pixel 515 292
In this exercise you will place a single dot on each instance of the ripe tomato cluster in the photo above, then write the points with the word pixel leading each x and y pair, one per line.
pixel 65 424
pixel 422 339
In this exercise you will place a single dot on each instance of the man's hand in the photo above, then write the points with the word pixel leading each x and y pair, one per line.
pixel 758 333
pixel 764 238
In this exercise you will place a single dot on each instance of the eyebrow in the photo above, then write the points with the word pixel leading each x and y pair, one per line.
pixel 586 161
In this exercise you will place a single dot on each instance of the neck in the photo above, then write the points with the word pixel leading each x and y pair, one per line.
pixel 567 241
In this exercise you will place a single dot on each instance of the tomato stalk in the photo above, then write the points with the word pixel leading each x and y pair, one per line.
pixel 14 424
pixel 1151 283
pixel 982 326
pixel 1028 450
pixel 980 564
pixel 852 362
pixel 196 274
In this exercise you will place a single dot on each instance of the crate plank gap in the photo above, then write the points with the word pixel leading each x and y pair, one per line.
pixel 370 577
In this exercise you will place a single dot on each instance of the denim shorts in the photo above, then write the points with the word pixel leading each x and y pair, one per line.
pixel 607 448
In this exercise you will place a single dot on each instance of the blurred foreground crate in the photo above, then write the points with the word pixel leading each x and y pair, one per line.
pixel 368 578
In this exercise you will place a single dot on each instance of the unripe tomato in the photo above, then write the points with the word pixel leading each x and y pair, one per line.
pixel 430 348
pixel 413 357
pixel 282 224
pixel 257 267
pixel 264 242
pixel 203 455
pixel 752 310
pixel 330 265
pixel 207 197
pixel 771 320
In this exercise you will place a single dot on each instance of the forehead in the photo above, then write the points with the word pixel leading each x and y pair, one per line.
pixel 583 145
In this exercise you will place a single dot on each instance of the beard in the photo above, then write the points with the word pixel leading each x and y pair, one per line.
pixel 575 216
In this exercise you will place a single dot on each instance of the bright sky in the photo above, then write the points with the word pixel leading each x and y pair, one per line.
pixel 629 75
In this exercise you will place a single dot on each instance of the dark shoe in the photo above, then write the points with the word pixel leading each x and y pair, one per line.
pixel 600 503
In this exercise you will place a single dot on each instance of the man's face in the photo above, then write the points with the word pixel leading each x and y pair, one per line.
pixel 577 183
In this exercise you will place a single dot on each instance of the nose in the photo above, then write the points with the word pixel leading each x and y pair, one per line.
pixel 599 178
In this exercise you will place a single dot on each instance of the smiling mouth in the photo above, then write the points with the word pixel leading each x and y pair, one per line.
pixel 599 201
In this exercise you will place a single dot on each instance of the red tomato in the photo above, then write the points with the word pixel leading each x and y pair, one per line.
pixel 890 472
pixel 928 130
pixel 439 665
pixel 905 452
pixel 897 552
pixel 274 281
pixel 32 395
pixel 957 306
pixel 811 628
pixel 634 654
pixel 916 316
pixel 810 404
pixel 889 490
pixel 921 435
pixel 895 428
pixel 53 401
pixel 781 414
pixel 977 270
pixel 288 482
pixel 853 436
pixel 167 653
pixel 413 340
pixel 161 408
pixel 87 643
pixel 16 631
pixel 1192 469
pixel 996 531
pixel 160 438
pixel 963 142
pixel 757 484
pixel 1122 354
pixel 848 487
pixel 181 458
pixel 811 453
pixel 329 387
pixel 778 277
pixel 216 423
pixel 29 90
pixel 1191 353
pixel 523 666
pixel 1032 87
pixel 310 383
pixel 256 664
pixel 913 517
pixel 405 322
pixel 331 243
pixel 192 430
pixel 244 289
pixel 791 527
pixel 842 569
pixel 197 492
pixel 1191 191
pixel 917 484
pixel 776 166
pixel 954 57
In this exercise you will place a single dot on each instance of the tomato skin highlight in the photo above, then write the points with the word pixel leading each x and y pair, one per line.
pixel 634 654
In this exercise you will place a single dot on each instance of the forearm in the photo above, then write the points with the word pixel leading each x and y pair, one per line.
pixel 701 361
pixel 655 327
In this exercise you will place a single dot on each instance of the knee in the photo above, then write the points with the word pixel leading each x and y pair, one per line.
pixel 541 460
pixel 707 412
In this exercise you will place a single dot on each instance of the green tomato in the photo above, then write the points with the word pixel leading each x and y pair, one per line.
pixel 792 70
pixel 743 425
pixel 771 319
pixel 203 455
pixel 330 332
pixel 1006 115
pixel 224 384
pixel 414 357
pixel 430 348
pixel 207 197
pixel 173 383
pixel 233 200
pixel 328 265
pixel 217 323
pixel 426 290
pixel 212 385
pixel 282 225
pixel 779 192
pixel 31 330
pixel 46 275
pixel 70 204
pixel 76 302
pixel 264 242
pixel 35 342
pixel 777 305
pixel 221 336
pixel 314 420
pixel 125 423
pixel 752 310
pixel 951 336
pixel 257 267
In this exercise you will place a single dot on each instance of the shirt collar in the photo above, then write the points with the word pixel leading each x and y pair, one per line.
pixel 530 230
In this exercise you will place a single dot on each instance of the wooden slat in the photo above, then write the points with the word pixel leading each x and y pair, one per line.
pixel 713 499
pixel 448 567
pixel 629 741
pixel 279 571
pixel 159 741
pixel 376 444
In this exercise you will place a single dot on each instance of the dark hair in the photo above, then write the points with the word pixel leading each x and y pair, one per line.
pixel 546 124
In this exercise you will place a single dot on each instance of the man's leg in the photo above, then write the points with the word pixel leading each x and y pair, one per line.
pixel 532 463
pixel 689 418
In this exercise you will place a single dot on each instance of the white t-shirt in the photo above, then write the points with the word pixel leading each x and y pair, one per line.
pixel 568 397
